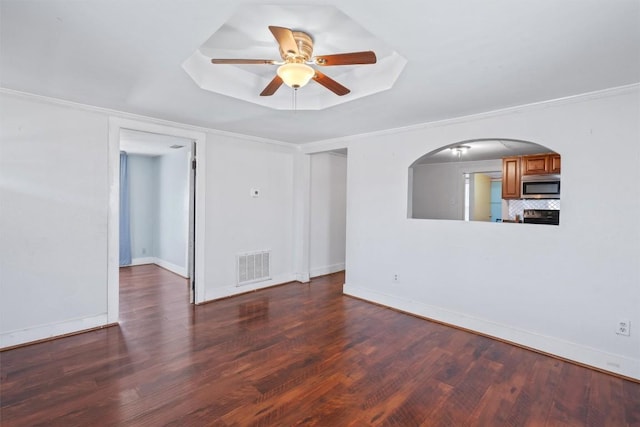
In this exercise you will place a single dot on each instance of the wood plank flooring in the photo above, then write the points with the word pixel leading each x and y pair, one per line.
pixel 293 355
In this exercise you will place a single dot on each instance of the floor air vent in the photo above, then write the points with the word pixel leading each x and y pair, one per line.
pixel 253 267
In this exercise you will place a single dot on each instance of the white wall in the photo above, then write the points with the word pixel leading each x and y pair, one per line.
pixel 53 219
pixel 159 208
pixel 55 200
pixel 172 213
pixel 328 213
pixel 591 262
pixel 238 222
pixel 142 207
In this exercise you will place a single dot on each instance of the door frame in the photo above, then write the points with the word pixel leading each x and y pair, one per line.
pixel 113 216
pixel 191 230
pixel 303 181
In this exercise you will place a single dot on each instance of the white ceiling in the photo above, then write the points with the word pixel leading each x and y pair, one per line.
pixel 463 57
pixel 247 81
pixel 151 144
pixel 483 149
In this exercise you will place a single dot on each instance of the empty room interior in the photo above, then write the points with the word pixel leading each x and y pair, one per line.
pixel 309 213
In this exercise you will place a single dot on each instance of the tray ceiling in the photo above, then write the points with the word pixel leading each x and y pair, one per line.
pixel 463 57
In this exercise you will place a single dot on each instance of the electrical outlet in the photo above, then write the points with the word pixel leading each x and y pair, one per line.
pixel 255 192
pixel 395 278
pixel 623 327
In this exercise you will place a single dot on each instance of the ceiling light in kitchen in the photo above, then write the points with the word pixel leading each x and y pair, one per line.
pixel 459 150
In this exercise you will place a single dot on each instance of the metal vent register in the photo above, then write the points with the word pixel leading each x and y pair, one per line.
pixel 253 267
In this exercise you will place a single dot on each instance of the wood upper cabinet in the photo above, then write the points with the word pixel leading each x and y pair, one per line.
pixel 554 163
pixel 535 165
pixel 540 164
pixel 511 178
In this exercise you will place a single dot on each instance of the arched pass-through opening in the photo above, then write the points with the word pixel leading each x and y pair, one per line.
pixel 488 179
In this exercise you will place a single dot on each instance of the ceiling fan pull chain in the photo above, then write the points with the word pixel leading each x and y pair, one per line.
pixel 295 99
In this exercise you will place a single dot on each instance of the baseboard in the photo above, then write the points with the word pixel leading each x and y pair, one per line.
pixel 180 271
pixel 143 261
pixel 302 277
pixel 38 333
pixel 227 291
pixel 327 269
pixel 592 357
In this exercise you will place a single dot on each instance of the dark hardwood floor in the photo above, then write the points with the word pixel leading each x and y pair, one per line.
pixel 293 355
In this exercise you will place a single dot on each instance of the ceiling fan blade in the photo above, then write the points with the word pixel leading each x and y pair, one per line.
pixel 272 87
pixel 353 58
pixel 330 84
pixel 285 39
pixel 242 61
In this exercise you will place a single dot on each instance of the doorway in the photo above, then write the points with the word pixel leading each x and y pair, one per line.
pixel 156 201
pixel 327 212
pixel 192 248
pixel 482 196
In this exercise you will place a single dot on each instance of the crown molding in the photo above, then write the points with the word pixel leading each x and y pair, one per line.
pixel 152 120
pixel 343 141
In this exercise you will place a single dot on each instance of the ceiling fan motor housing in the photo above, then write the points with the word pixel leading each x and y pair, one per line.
pixel 305 48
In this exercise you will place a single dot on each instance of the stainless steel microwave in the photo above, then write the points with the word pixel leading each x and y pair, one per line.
pixel 540 186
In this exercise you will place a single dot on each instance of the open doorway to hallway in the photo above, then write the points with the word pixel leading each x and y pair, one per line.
pixel 327 212
pixel 156 201
pixel 195 267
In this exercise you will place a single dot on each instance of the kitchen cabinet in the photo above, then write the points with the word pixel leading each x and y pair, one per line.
pixel 554 163
pixel 535 165
pixel 511 177
pixel 540 164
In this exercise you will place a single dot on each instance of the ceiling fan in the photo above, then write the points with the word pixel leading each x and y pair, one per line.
pixel 296 49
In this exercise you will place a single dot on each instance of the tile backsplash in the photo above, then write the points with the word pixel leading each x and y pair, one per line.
pixel 517 206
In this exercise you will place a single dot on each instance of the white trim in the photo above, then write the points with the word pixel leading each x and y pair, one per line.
pixel 189 260
pixel 146 119
pixel 36 333
pixel 327 269
pixel 141 261
pixel 333 153
pixel 200 138
pixel 231 290
pixel 200 216
pixel 302 277
pixel 113 224
pixel 301 216
pixel 328 145
pixel 568 350
pixel 180 271
pixel 343 141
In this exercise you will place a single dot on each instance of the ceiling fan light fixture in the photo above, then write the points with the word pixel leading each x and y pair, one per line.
pixel 295 75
